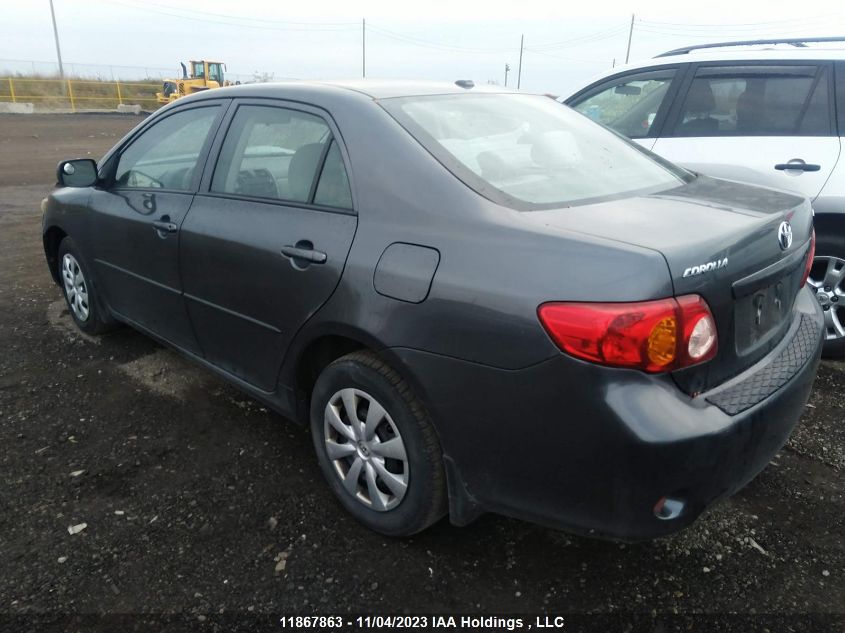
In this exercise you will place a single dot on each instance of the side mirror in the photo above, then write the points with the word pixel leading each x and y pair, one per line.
pixel 80 172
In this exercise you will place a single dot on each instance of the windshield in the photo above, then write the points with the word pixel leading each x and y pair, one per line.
pixel 533 151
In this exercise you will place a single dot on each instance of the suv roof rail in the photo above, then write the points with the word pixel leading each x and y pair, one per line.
pixel 799 42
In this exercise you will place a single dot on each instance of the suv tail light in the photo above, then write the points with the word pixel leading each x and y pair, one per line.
pixel 654 336
pixel 811 254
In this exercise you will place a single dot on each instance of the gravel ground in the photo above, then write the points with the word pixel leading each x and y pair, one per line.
pixel 187 497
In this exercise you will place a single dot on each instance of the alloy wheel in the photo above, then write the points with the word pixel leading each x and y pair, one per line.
pixel 76 288
pixel 827 278
pixel 366 449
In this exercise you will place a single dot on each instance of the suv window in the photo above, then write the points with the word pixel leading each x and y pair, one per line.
pixel 756 101
pixel 628 104
pixel 165 155
pixel 271 152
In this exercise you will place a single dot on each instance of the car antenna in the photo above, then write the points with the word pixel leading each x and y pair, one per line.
pixel 465 83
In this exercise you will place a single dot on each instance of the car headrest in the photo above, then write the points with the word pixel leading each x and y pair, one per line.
pixel 700 98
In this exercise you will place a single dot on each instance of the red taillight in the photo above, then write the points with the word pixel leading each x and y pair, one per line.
pixel 811 254
pixel 653 336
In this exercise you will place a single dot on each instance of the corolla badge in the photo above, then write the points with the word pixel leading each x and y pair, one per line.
pixel 785 235
pixel 692 271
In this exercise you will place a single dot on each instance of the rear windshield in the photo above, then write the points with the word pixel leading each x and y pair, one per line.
pixel 530 152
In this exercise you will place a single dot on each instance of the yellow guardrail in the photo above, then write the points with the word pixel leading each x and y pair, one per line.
pixel 79 93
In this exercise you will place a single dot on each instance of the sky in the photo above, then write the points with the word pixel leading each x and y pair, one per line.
pixel 565 44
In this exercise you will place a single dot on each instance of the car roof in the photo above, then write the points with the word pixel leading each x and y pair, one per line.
pixel 372 88
pixel 751 53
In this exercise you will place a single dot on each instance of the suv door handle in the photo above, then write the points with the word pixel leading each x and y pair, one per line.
pixel 304 251
pixel 165 226
pixel 798 165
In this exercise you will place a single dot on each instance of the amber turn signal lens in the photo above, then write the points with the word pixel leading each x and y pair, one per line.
pixel 662 342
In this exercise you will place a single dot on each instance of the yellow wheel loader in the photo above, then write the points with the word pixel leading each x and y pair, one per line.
pixel 204 76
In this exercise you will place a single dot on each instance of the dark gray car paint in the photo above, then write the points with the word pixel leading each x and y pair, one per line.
pixel 405 272
pixel 478 321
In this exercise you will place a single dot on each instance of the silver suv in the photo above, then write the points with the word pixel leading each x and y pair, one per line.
pixel 770 112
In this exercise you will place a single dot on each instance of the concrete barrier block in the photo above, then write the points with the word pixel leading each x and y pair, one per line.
pixel 16 108
pixel 127 108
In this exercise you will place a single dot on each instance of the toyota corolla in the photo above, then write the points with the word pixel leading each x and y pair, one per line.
pixel 477 300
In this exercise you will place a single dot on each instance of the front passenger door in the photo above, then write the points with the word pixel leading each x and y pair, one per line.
pixel 136 217
pixel 632 104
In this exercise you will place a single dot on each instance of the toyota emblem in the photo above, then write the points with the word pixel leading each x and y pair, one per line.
pixel 785 235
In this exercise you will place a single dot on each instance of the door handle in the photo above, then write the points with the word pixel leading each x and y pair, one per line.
pixel 798 165
pixel 303 253
pixel 165 226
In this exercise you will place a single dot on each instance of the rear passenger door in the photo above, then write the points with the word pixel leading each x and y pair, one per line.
pixel 633 104
pixel 766 123
pixel 267 236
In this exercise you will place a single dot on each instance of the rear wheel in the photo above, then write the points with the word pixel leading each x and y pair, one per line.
pixel 827 280
pixel 376 446
pixel 80 293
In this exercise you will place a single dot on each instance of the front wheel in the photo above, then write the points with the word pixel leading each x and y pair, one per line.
pixel 376 446
pixel 79 292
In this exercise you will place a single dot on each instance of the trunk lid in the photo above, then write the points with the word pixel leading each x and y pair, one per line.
pixel 720 240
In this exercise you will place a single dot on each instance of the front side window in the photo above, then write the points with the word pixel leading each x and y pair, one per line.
pixel 628 104
pixel 756 101
pixel 271 152
pixel 165 155
pixel 535 152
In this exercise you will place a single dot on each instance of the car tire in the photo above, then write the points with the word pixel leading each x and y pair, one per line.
pixel 80 291
pixel 830 258
pixel 356 457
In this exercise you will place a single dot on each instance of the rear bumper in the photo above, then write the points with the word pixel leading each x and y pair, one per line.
pixel 592 449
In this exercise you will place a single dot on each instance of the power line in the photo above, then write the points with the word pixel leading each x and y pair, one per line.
pixel 228 16
pixel 581 39
pixel 410 39
pixel 709 36
pixel 763 24
pixel 531 50
pixel 313 27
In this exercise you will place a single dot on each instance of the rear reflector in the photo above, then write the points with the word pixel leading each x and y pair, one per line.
pixel 654 336
pixel 811 255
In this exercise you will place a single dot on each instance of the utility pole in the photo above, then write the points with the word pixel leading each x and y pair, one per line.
pixel 630 34
pixel 519 70
pixel 363 47
pixel 56 35
pixel 507 68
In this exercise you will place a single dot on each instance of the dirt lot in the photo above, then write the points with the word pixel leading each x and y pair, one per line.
pixel 199 501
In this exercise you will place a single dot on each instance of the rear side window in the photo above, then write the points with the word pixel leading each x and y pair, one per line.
pixel 333 186
pixel 271 152
pixel 165 155
pixel 756 101
pixel 628 104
